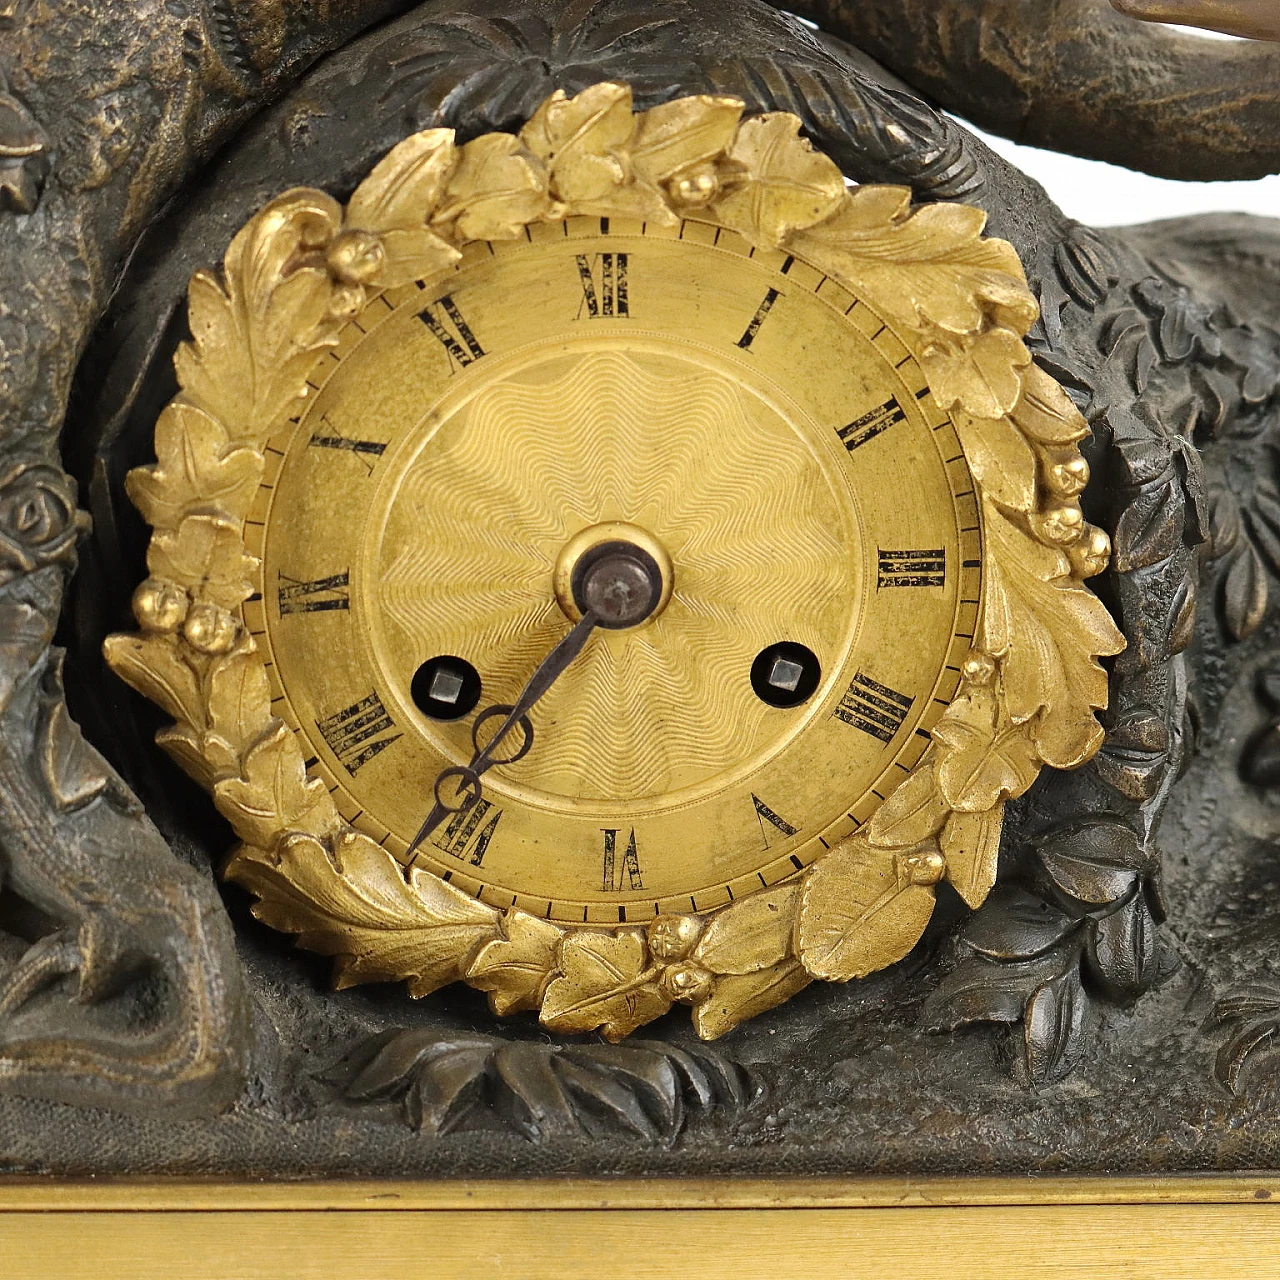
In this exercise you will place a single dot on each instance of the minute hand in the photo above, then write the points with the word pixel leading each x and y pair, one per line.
pixel 549 670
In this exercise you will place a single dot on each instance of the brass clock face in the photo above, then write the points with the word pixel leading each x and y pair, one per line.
pixel 745 420
pixel 616 564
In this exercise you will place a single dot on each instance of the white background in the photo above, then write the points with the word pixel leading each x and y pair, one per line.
pixel 1105 195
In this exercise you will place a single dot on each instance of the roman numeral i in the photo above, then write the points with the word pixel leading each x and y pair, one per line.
pixel 352 734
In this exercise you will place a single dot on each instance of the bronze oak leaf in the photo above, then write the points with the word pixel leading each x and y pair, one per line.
pixel 358 906
pixel 861 911
pixel 514 969
pixel 604 982
pixel 784 186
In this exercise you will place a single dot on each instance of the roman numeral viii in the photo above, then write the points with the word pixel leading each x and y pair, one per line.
pixel 320 596
pixel 858 432
pixel 620 873
pixel 873 707
pixel 912 568
pixel 451 331
pixel 358 733
pixel 603 277
pixel 468 835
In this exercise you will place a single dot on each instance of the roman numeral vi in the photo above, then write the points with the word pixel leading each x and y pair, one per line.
pixel 620 873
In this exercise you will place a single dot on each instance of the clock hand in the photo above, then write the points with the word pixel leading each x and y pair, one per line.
pixel 615 585
pixel 549 670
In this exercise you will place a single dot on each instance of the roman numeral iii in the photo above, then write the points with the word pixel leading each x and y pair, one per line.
pixel 873 707
pixel 620 872
pixel 353 734
pixel 468 835
pixel 603 277
pixel 912 568
pixel 451 331
pixel 318 596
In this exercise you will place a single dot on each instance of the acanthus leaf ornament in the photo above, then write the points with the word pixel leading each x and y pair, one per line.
pixel 291 278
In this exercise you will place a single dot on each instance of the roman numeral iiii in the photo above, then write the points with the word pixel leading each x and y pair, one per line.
pixel 873 707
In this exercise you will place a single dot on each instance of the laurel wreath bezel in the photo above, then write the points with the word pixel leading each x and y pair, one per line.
pixel 305 264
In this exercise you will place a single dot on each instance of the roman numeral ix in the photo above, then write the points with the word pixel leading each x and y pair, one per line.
pixel 319 596
pixel 873 707
pixel 856 433
pixel 353 733
pixel 620 874
pixel 603 277
pixel 468 835
pixel 451 331
pixel 912 568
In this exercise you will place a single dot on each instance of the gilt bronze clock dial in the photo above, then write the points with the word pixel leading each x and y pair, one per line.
pixel 616 564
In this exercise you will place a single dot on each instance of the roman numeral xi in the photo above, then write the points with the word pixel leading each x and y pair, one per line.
pixel 445 323
pixel 359 732
pixel 319 596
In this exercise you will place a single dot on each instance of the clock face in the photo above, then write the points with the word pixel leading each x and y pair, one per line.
pixel 744 427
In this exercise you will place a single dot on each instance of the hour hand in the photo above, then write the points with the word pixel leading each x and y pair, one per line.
pixel 617 587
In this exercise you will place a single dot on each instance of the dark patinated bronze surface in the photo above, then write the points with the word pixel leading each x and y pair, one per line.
pixel 1099 1013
